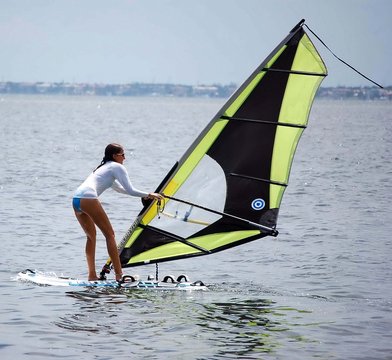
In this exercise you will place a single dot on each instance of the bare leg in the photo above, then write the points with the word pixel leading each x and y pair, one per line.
pixel 89 228
pixel 93 209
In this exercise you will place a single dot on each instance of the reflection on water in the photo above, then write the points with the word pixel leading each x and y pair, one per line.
pixel 239 327
pixel 245 328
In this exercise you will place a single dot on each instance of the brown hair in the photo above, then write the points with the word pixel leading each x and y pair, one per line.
pixel 110 150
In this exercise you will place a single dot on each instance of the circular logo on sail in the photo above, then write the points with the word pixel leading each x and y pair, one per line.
pixel 258 204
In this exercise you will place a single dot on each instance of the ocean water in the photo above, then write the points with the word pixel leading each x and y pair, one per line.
pixel 321 289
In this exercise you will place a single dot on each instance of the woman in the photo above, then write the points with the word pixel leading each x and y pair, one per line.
pixel 89 211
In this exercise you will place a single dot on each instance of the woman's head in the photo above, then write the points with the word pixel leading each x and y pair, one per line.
pixel 113 152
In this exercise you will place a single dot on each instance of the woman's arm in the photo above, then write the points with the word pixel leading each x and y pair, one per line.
pixel 117 187
pixel 123 184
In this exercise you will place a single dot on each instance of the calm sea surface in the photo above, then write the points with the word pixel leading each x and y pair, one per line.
pixel 322 289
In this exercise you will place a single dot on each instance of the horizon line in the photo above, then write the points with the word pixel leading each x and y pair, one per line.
pixel 165 83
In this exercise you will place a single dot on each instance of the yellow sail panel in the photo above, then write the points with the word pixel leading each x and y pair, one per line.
pixel 301 88
pixel 286 141
pixel 213 241
pixel 163 252
pixel 209 242
pixel 133 236
pixel 307 58
pixel 297 101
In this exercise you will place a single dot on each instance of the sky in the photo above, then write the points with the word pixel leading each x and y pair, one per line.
pixel 188 42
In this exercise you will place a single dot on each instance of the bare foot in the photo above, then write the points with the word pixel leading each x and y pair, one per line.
pixel 93 277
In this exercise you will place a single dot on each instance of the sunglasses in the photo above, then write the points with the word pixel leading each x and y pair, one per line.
pixel 123 155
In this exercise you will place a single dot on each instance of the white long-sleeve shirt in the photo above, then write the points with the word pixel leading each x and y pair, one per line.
pixel 111 174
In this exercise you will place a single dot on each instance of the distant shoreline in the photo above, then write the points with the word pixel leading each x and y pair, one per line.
pixel 175 90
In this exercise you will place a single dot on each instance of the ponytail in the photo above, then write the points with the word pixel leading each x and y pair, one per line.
pixel 103 162
pixel 110 150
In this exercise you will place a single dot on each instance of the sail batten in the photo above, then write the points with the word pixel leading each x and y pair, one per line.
pixel 258 121
pixel 177 238
pixel 258 179
pixel 294 72
pixel 226 190
pixel 236 218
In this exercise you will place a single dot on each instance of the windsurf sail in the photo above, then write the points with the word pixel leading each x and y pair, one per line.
pixel 227 188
